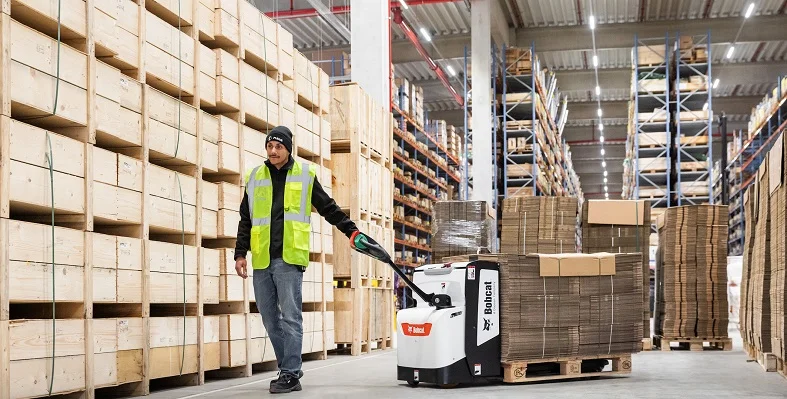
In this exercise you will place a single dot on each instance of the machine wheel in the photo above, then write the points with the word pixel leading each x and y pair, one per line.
pixel 449 386
pixel 413 383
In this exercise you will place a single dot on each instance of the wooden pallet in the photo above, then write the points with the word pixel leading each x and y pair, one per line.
pixel 647 344
pixel 569 368
pixel 693 344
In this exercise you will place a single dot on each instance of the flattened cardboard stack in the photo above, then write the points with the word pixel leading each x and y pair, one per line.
pixel 691 273
pixel 545 225
pixel 749 198
pixel 760 269
pixel 778 235
pixel 620 227
pixel 461 228
pixel 568 304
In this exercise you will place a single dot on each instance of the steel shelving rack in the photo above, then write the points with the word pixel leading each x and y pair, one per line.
pixel 693 122
pixel 649 139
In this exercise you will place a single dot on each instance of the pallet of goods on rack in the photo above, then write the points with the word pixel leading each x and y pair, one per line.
pixel 147 191
pixel 533 114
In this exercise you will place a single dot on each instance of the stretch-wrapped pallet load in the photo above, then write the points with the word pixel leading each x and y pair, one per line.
pixel 691 273
pixel 560 305
pixel 545 225
pixel 461 228
pixel 620 226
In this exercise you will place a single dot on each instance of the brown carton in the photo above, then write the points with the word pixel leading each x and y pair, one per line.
pixel 624 212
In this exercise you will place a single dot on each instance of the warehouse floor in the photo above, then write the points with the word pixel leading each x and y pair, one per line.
pixel 655 375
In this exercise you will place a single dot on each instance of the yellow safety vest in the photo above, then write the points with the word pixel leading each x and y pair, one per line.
pixel 297 214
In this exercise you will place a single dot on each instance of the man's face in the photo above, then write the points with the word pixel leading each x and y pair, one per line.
pixel 277 153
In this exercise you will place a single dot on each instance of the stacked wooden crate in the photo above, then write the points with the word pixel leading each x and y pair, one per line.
pixel 363 187
pixel 153 111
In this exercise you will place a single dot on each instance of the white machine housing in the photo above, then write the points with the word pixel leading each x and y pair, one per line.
pixel 459 344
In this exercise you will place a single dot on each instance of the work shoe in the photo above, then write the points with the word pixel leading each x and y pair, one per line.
pixel 286 384
pixel 300 375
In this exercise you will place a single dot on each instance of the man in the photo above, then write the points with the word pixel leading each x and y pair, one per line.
pixel 275 226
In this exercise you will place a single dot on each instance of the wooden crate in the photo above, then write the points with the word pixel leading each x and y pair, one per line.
pixel 167 214
pixel 167 345
pixel 358 122
pixel 227 81
pixel 260 95
pixel 117 268
pixel 259 36
pixel 117 188
pixel 118 108
pixel 175 124
pixel 363 319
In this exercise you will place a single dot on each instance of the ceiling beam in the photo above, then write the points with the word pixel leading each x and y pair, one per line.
pixel 723 30
pixel 568 38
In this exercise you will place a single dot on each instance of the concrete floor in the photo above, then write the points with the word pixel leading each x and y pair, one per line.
pixel 655 375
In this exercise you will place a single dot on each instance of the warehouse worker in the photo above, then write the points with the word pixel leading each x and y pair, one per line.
pixel 275 227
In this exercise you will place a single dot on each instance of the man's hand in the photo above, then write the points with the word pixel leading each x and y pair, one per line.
pixel 240 267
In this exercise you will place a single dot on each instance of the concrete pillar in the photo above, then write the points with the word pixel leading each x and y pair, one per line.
pixel 481 41
pixel 370 48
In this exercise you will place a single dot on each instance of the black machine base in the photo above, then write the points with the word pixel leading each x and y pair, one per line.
pixel 457 373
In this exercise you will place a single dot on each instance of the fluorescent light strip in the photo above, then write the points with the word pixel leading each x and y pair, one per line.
pixel 451 71
pixel 749 10
pixel 426 35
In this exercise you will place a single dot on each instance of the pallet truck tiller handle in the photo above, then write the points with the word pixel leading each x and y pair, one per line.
pixel 369 247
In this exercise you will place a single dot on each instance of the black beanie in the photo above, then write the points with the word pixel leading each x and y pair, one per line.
pixel 282 135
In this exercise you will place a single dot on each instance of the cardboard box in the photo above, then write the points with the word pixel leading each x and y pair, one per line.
pixel 572 264
pixel 623 212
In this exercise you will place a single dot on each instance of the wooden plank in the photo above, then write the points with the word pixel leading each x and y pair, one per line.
pixel 27 376
pixel 173 11
pixel 168 258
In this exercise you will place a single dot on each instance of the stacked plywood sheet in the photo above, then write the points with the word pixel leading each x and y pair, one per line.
pixel 539 225
pixel 568 305
pixel 691 273
pixel 462 227
pixel 620 227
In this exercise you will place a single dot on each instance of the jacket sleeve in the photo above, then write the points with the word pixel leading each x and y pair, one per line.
pixel 243 242
pixel 328 209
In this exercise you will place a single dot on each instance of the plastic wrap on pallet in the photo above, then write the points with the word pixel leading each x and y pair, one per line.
pixel 461 228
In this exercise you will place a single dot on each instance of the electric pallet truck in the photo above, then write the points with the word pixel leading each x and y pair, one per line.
pixel 452 336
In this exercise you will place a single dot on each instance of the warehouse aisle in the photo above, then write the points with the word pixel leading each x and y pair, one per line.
pixel 655 375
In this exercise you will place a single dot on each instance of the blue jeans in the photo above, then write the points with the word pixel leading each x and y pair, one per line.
pixel 278 292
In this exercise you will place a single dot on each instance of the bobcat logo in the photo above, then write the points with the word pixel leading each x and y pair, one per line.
pixel 487 324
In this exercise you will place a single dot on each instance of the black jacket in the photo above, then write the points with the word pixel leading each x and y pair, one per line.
pixel 324 204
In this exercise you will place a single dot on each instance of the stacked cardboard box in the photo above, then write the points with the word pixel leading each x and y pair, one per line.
pixel 462 227
pixel 545 225
pixel 778 232
pixel 691 273
pixel 569 305
pixel 760 267
pixel 620 227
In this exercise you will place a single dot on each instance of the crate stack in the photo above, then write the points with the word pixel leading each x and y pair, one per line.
pixel 544 225
pixel 621 226
pixel 691 277
pixel 363 188
pixel 149 150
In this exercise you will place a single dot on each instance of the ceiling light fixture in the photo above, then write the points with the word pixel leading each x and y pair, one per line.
pixel 606 189
pixel 601 127
pixel 605 180
pixel 749 11
pixel 603 164
pixel 592 20
pixel 426 35
pixel 601 139
pixel 595 60
pixel 599 112
pixel 598 90
pixel 451 71
pixel 605 173
pixel 716 83
pixel 602 151
pixel 730 51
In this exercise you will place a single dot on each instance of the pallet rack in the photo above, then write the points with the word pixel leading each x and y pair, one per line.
pixel 433 180
pixel 159 111
pixel 533 114
pixel 668 147
pixel 768 121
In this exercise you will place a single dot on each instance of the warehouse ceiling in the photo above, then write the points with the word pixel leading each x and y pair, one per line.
pixel 558 31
